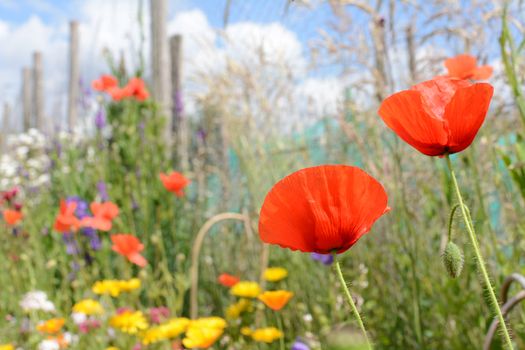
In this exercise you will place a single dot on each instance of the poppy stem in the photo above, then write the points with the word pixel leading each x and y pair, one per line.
pixel 479 259
pixel 351 300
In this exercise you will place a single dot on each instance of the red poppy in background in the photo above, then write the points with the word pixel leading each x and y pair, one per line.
pixel 104 83
pixel 66 221
pixel 116 93
pixel 103 215
pixel 136 88
pixel 322 209
pixel 130 247
pixel 466 67
pixel 439 116
pixel 228 280
pixel 174 182
pixel 12 217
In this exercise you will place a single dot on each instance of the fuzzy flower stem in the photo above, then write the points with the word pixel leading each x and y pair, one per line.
pixel 351 300
pixel 479 259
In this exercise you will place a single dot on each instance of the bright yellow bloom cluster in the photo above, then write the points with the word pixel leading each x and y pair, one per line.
pixel 129 322
pixel 234 311
pixel 112 348
pixel 51 326
pixel 88 307
pixel 275 274
pixel 266 335
pixel 246 289
pixel 7 347
pixel 115 287
pixel 168 330
pixel 203 332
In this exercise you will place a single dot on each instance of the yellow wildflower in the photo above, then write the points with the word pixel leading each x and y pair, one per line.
pixel 275 274
pixel 234 311
pixel 203 332
pixel 88 307
pixel 130 285
pixel 129 322
pixel 276 299
pixel 168 330
pixel 51 326
pixel 7 347
pixel 246 289
pixel 112 348
pixel 247 331
pixel 115 287
pixel 266 335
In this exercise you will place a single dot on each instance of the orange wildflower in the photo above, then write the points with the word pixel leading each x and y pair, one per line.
pixel 104 83
pixel 277 299
pixel 51 326
pixel 66 220
pixel 103 215
pixel 130 247
pixel 174 182
pixel 12 217
pixel 466 67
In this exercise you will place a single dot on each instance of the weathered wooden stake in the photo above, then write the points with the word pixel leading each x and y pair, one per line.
pixel 26 98
pixel 38 91
pixel 160 62
pixel 6 118
pixel 74 75
pixel 179 123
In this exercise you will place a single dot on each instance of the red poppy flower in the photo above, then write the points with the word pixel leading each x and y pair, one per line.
pixel 466 67
pixel 228 280
pixel 103 215
pixel 136 88
pixel 104 83
pixel 12 217
pixel 174 182
pixel 66 221
pixel 440 116
pixel 130 247
pixel 117 93
pixel 322 209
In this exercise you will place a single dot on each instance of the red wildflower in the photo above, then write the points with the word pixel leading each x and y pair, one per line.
pixel 117 93
pixel 174 182
pixel 12 217
pixel 103 215
pixel 322 209
pixel 440 116
pixel 130 247
pixel 228 280
pixel 466 67
pixel 104 83
pixel 136 88
pixel 66 220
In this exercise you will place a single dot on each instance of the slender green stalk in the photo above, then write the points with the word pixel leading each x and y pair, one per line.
pixel 479 259
pixel 351 300
pixel 280 325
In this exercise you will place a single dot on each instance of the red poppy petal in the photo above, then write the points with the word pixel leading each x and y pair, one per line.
pixel 137 259
pixel 482 73
pixel 465 114
pixel 321 209
pixel 406 115
pixel 461 66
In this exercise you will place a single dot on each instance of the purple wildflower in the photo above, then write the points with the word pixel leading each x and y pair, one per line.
pixel 100 118
pixel 299 345
pixel 326 259
pixel 102 191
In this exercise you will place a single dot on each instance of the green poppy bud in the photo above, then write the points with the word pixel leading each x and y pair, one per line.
pixel 453 259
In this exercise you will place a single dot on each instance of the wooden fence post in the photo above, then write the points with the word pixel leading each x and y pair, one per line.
pixel 26 98
pixel 160 62
pixel 6 127
pixel 179 123
pixel 38 91
pixel 74 75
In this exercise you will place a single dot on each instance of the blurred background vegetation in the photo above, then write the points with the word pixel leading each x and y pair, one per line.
pixel 241 143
